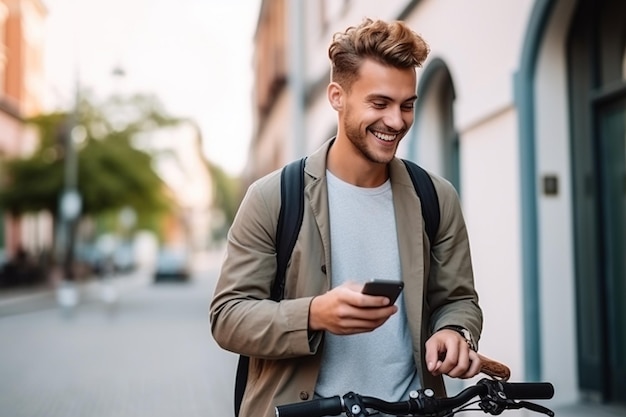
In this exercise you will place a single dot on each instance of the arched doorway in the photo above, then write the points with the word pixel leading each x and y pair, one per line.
pixel 435 144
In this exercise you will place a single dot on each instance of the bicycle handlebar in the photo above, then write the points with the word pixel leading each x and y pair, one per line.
pixel 332 406
pixel 495 397
pixel 528 390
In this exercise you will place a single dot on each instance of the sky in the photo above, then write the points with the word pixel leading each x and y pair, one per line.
pixel 195 55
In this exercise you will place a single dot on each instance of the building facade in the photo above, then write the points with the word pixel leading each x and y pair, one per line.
pixel 21 94
pixel 179 160
pixel 522 106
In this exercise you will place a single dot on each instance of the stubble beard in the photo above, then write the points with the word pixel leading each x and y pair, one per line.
pixel 359 140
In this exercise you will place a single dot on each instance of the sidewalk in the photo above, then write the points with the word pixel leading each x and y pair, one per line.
pixel 45 297
pixel 151 355
pixel 587 410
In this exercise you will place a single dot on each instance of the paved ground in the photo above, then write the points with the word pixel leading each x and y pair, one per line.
pixel 149 354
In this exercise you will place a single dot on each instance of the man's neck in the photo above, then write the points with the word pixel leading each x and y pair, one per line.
pixel 346 162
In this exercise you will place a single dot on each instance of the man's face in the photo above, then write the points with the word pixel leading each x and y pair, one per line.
pixel 378 110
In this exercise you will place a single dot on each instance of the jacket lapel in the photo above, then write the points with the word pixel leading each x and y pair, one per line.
pixel 409 225
pixel 315 190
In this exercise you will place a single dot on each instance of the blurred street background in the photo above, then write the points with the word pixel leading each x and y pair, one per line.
pixel 131 129
pixel 147 353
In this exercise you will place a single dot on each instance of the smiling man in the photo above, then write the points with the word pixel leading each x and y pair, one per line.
pixel 362 221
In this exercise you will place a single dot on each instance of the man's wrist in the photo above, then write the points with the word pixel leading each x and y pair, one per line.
pixel 313 326
pixel 466 334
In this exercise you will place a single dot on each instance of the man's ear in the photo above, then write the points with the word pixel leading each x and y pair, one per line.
pixel 336 96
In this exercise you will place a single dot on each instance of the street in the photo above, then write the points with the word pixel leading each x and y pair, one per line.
pixel 150 353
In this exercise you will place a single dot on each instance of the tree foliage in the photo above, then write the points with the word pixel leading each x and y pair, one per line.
pixel 111 172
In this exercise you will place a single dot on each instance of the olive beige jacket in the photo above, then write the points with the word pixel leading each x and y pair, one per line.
pixel 285 357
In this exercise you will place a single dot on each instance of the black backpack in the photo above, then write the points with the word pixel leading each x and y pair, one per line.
pixel 290 220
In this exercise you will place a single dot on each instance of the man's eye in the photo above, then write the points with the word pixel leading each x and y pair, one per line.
pixel 408 107
pixel 379 105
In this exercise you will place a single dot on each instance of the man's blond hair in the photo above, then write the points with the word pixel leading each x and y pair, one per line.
pixel 389 43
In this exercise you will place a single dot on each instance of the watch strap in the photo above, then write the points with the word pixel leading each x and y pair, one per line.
pixel 466 334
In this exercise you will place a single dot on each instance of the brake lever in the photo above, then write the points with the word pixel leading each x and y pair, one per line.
pixel 537 408
pixel 488 405
pixel 496 406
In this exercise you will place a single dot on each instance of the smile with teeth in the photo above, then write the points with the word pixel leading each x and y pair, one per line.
pixel 384 136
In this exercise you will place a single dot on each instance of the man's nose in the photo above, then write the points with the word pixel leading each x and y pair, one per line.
pixel 393 119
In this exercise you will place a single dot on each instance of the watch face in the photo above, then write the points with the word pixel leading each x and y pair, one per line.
pixel 468 337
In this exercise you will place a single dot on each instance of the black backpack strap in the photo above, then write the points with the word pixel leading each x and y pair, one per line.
pixel 241 379
pixel 428 198
pixel 289 222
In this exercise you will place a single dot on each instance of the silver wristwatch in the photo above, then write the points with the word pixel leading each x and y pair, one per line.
pixel 465 333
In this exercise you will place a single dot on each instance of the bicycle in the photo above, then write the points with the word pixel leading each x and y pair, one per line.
pixel 494 396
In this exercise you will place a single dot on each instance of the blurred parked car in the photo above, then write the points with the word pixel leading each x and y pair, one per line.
pixel 108 255
pixel 94 259
pixel 172 264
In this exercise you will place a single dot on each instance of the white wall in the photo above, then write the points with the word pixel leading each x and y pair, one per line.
pixel 491 203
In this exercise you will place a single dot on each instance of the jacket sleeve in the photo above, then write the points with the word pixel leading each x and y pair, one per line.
pixel 243 319
pixel 451 294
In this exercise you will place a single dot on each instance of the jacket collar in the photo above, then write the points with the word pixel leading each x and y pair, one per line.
pixel 316 162
pixel 316 166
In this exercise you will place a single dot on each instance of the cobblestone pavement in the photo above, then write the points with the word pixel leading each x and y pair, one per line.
pixel 150 354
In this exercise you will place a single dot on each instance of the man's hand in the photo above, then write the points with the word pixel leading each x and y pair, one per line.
pixel 345 310
pixel 447 353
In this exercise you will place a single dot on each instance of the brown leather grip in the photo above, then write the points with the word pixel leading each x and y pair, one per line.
pixel 494 369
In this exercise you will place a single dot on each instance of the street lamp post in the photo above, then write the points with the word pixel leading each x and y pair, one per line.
pixel 71 201
pixel 70 206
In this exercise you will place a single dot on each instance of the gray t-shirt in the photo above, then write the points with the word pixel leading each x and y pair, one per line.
pixel 364 246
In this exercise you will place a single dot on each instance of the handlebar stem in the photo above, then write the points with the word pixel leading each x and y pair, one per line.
pixel 354 405
pixel 424 400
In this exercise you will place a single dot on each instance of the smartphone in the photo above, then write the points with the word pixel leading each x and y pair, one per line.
pixel 386 288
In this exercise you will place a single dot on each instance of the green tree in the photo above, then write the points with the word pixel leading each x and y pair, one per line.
pixel 111 172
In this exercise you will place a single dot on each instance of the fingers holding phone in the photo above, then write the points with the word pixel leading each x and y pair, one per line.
pixel 344 310
pixel 384 288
